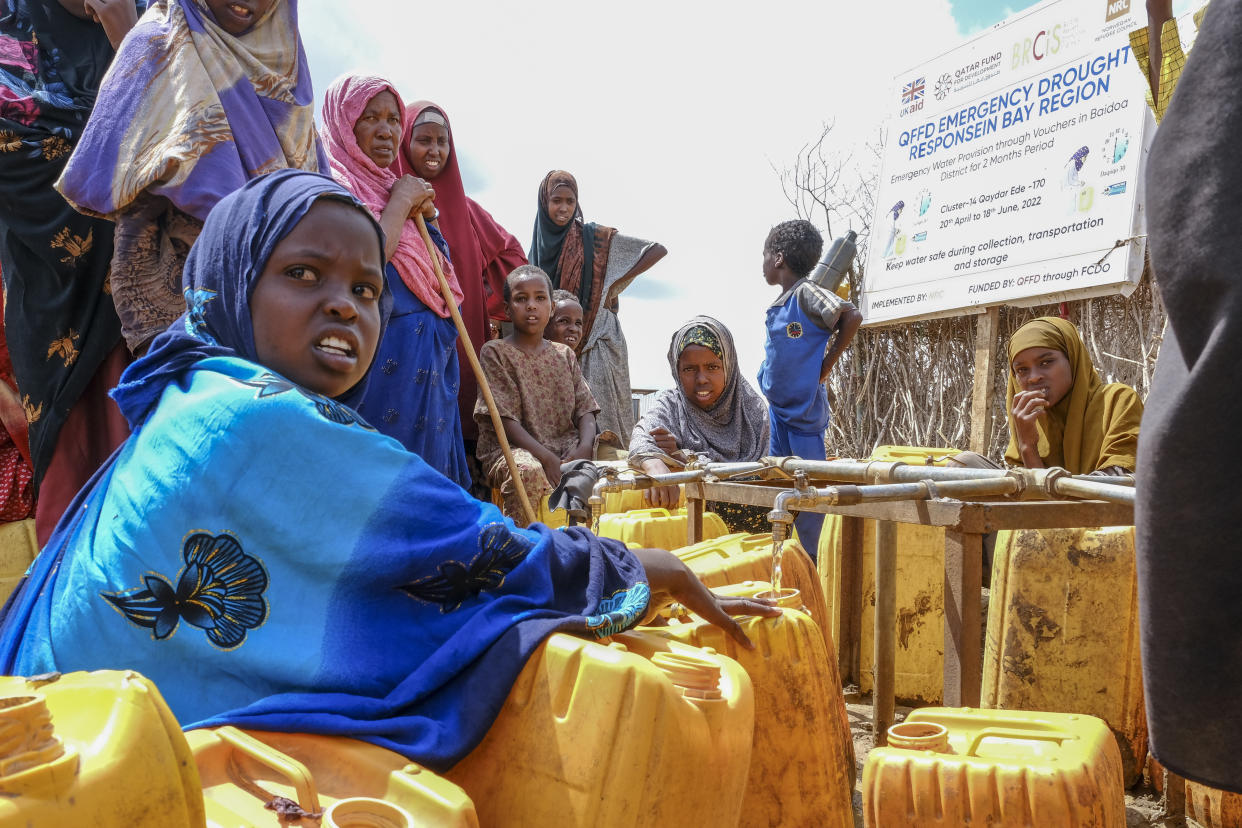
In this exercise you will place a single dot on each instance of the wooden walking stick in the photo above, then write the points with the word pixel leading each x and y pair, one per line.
pixel 478 370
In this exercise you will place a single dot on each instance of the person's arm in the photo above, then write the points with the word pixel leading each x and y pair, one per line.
pixel 519 437
pixel 408 196
pixel 116 16
pixel 585 409
pixel 671 580
pixel 1123 414
pixel 1159 12
pixel 652 254
pixel 847 327
pixel 661 497
pixel 587 431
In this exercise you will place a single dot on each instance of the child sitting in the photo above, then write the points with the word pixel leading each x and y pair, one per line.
pixel 565 326
pixel 271 561
pixel 800 324
pixel 547 408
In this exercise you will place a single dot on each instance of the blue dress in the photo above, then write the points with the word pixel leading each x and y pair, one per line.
pixel 412 395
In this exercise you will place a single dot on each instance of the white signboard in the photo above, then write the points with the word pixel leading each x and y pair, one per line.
pixel 1012 166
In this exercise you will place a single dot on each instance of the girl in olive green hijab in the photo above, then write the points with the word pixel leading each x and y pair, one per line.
pixel 1060 412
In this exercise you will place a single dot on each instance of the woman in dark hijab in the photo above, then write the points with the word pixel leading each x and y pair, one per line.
pixel 595 263
pixel 710 411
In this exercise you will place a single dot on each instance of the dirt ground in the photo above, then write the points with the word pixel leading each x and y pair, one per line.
pixel 1144 806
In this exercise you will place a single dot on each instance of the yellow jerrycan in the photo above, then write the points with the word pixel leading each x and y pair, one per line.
pixel 99 749
pixel 1212 807
pixel 802 762
pixel 1207 806
pixel 732 559
pixel 254 778
pixel 18 548
pixel 920 591
pixel 657 528
pixel 1001 768
pixel 628 500
pixel 640 731
pixel 1063 632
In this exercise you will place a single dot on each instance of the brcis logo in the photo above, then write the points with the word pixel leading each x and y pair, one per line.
pixel 1116 8
pixel 1046 42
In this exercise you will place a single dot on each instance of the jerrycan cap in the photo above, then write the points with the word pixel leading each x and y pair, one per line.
pixel 365 812
pixel 695 677
pixel 788 598
pixel 928 736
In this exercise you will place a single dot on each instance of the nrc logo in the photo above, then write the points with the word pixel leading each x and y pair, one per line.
pixel 1116 8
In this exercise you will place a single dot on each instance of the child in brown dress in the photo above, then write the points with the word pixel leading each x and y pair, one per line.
pixel 546 407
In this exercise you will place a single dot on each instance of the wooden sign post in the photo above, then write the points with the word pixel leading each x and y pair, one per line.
pixel 986 325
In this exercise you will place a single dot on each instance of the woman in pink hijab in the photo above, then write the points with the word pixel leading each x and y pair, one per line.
pixel 414 387
pixel 484 253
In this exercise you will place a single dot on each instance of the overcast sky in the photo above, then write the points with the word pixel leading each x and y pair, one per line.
pixel 672 115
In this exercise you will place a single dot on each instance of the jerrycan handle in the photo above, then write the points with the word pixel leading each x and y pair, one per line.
pixel 1057 736
pixel 287 766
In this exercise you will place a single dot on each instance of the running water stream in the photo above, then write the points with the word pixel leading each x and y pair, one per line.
pixel 778 550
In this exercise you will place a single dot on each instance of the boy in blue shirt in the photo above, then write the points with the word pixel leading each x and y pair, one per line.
pixel 801 323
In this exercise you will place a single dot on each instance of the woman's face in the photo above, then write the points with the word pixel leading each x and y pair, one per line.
pixel 316 307
pixel 702 375
pixel 238 16
pixel 378 129
pixel 1045 370
pixel 562 204
pixel 429 150
pixel 566 324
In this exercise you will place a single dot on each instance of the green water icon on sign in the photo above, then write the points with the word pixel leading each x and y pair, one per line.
pixel 1086 197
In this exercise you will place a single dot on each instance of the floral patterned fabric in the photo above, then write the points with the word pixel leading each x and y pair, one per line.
pixel 546 393
pixel 58 300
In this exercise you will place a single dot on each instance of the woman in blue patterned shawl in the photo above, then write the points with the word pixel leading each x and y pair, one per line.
pixel 270 560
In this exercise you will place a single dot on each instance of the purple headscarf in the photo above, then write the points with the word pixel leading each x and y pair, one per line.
pixel 191 112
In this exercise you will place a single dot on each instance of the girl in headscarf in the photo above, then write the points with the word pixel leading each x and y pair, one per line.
pixel 484 253
pixel 414 394
pixel 272 562
pixel 710 410
pixel 597 263
pixel 203 96
pixel 63 333
pixel 1060 412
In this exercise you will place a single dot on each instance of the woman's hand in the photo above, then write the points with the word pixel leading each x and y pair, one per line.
pixel 1028 407
pixel 413 195
pixel 664 440
pixel 551 468
pixel 116 16
pixel 582 451
pixel 661 497
pixel 671 580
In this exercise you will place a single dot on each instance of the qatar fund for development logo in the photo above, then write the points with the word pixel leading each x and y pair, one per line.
pixel 1115 9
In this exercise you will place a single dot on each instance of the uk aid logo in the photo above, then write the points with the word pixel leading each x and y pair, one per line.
pixel 912 96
